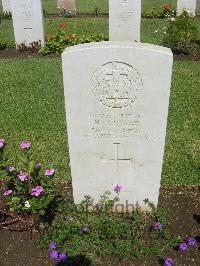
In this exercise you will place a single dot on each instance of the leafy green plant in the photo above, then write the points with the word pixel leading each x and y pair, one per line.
pixel 152 13
pixel 94 231
pixel 182 34
pixel 65 13
pixel 6 15
pixel 3 45
pixel 165 11
pixel 58 43
pixel 27 193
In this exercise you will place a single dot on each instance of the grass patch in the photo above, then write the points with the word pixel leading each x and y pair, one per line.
pixel 32 108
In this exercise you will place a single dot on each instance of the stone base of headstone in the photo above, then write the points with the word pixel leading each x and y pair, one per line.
pixel 116 98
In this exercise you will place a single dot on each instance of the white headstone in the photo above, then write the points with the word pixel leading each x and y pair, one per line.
pixel 116 98
pixel 124 20
pixel 67 5
pixel 6 4
pixel 186 5
pixel 28 21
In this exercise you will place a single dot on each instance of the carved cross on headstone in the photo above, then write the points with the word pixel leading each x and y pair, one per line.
pixel 117 160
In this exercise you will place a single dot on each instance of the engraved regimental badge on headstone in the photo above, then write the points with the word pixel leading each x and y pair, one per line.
pixel 116 84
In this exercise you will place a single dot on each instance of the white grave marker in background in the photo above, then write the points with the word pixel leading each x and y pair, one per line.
pixel 67 5
pixel 186 5
pixel 124 20
pixel 28 21
pixel 116 109
pixel 6 4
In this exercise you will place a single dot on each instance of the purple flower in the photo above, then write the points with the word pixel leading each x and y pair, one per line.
pixel 191 241
pixel 117 188
pixel 38 166
pixel 53 245
pixel 8 192
pixel 157 226
pixel 183 246
pixel 54 254
pixel 23 176
pixel 10 169
pixel 2 143
pixel 63 258
pixel 37 191
pixel 85 229
pixel 168 261
pixel 49 172
pixel 25 145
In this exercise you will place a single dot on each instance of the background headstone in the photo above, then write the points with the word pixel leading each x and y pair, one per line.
pixel 116 111
pixel 124 20
pixel 67 5
pixel 28 21
pixel 186 5
pixel 6 4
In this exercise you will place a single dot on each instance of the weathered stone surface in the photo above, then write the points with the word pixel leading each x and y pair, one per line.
pixel 6 4
pixel 27 21
pixel 124 20
pixel 186 5
pixel 116 98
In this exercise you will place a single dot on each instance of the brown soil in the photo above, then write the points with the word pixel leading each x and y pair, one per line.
pixel 182 204
pixel 13 53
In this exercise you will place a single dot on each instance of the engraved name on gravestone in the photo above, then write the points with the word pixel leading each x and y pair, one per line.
pixel 186 5
pixel 6 4
pixel 28 21
pixel 116 110
pixel 67 5
pixel 124 20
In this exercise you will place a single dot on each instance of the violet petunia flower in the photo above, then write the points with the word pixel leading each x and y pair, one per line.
pixel 168 261
pixel 52 245
pixel 25 145
pixel 49 172
pixel 85 229
pixel 37 191
pixel 54 254
pixel 10 169
pixel 63 258
pixel 23 176
pixel 38 166
pixel 8 192
pixel 183 246
pixel 117 188
pixel 2 143
pixel 191 241
pixel 158 226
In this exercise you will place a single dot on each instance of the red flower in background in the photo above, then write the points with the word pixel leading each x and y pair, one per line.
pixel 63 25
pixel 167 7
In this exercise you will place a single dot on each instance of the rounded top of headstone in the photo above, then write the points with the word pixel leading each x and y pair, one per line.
pixel 118 44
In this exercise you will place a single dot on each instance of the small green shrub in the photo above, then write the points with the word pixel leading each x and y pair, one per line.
pixel 166 11
pixel 28 192
pixel 152 13
pixel 182 34
pixel 65 13
pixel 3 45
pixel 102 232
pixel 6 15
pixel 58 43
